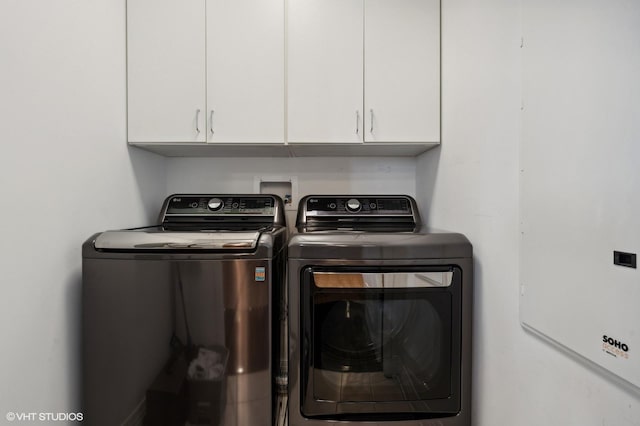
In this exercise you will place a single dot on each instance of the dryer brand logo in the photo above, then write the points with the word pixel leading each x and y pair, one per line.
pixel 615 347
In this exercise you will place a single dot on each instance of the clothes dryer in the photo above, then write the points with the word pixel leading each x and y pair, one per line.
pixel 379 316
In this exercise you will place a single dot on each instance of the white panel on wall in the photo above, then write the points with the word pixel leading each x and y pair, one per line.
pixel 580 178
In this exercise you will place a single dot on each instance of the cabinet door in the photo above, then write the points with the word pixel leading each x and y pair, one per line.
pixel 325 70
pixel 245 71
pixel 402 71
pixel 165 70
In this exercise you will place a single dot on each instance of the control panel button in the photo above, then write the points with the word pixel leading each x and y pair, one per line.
pixel 215 204
pixel 353 205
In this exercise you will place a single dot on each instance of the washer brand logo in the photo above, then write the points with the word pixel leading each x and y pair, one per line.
pixel 615 347
pixel 176 200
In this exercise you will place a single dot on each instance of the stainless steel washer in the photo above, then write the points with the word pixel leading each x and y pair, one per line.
pixel 379 316
pixel 181 321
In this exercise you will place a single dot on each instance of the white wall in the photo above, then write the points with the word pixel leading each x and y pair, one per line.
pixel 580 176
pixel 470 185
pixel 314 175
pixel 65 173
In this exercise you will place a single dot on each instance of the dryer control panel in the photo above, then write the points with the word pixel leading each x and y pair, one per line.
pixel 366 205
pixel 363 213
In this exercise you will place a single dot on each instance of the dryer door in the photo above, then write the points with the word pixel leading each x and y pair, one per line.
pixel 381 344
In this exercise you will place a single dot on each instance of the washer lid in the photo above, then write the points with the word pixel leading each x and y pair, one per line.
pixel 159 240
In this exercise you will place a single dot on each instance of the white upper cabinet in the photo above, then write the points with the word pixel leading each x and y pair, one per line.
pixel 247 77
pixel 245 71
pixel 325 90
pixel 402 70
pixel 205 71
pixel 364 71
pixel 165 71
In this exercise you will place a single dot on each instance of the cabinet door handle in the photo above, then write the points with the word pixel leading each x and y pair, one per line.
pixel 357 122
pixel 211 122
pixel 371 111
pixel 197 121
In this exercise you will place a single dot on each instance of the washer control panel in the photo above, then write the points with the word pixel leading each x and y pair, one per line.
pixel 358 205
pixel 207 205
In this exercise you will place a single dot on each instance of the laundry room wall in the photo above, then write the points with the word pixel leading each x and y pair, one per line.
pixel 581 106
pixel 65 173
pixel 318 175
pixel 471 185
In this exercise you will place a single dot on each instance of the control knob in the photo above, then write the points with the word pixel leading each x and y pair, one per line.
pixel 215 204
pixel 353 205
